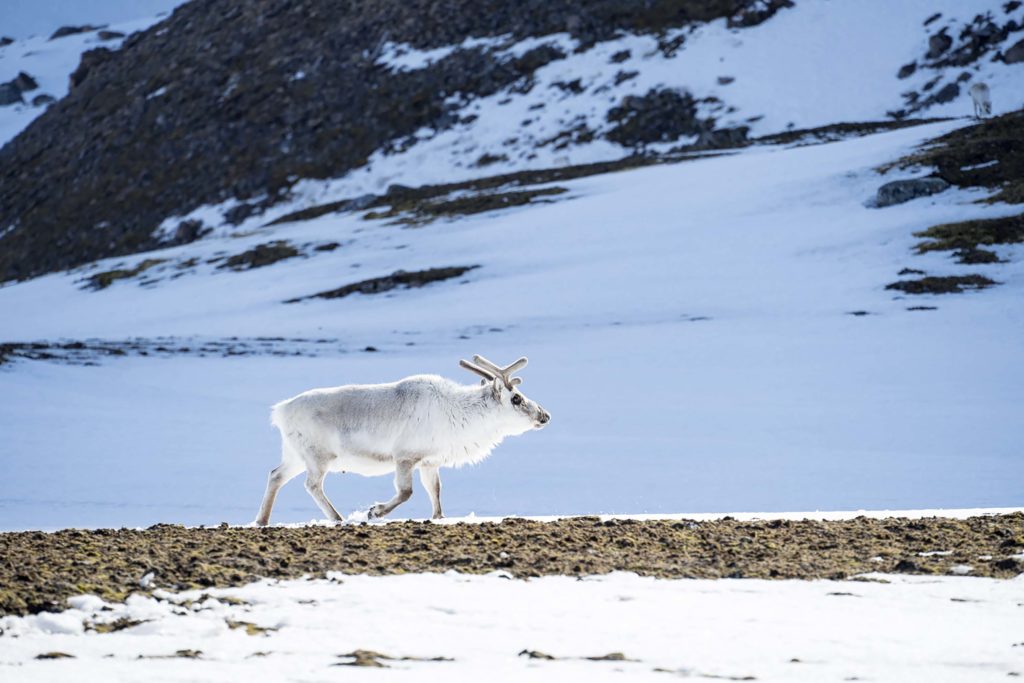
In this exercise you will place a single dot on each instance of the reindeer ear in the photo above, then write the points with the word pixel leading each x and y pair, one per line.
pixel 496 386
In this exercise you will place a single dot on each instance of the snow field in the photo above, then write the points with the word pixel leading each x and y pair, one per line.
pixel 884 628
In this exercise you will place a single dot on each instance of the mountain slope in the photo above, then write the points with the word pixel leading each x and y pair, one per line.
pixel 248 105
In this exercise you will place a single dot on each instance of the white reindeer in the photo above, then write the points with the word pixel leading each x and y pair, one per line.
pixel 982 100
pixel 422 422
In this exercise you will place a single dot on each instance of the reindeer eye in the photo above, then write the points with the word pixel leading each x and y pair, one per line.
pixel 516 399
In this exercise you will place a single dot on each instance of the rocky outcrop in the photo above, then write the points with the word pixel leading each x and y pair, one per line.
pixel 900 191
pixel 955 47
pixel 1015 54
pixel 11 92
pixel 254 94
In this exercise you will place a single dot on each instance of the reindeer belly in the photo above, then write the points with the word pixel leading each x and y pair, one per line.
pixel 368 465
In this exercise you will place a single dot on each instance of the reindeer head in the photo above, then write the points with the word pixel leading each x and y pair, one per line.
pixel 522 413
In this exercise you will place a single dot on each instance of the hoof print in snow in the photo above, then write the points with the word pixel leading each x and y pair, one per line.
pixel 900 191
pixel 54 655
pixel 858 313
pixel 949 284
pixel 922 308
pixel 536 654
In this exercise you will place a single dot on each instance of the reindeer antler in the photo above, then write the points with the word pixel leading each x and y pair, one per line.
pixel 504 372
pixel 478 370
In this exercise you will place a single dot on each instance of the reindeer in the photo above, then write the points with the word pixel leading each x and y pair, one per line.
pixel 423 422
pixel 982 98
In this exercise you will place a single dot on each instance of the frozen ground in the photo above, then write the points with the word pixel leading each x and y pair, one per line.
pixel 887 628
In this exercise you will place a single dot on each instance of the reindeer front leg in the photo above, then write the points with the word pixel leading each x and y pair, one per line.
pixel 403 490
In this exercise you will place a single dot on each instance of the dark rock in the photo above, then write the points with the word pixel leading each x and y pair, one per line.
pixel 907 566
pixel 907 70
pixel 900 191
pixel 948 93
pixel 932 18
pixel 40 100
pixel 188 231
pixel 5 41
pixel 938 43
pixel 658 116
pixel 72 30
pixel 1010 6
pixel 361 202
pixel 725 80
pixel 24 82
pixel 1014 54
pixel 9 94
pixel 237 214
pixel 90 60
pixel 620 56
pixel 109 35
pixel 723 138
pixel 623 76
pixel 1009 564
pixel 755 13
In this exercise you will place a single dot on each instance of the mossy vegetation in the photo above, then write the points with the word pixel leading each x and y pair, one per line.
pixel 989 154
pixel 840 131
pixel 947 284
pixel 415 211
pixel 970 235
pixel 54 566
pixel 98 281
pixel 261 255
pixel 373 659
pixel 400 279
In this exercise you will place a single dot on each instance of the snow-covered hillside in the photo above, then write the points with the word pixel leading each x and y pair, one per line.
pixel 689 327
pixel 25 18
pixel 820 63
pixel 709 335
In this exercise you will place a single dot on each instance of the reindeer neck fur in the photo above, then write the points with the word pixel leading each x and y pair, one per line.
pixel 472 425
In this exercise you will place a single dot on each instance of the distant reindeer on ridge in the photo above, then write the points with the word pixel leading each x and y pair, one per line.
pixel 982 97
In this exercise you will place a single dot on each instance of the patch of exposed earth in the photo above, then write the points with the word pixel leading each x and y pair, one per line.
pixel 93 351
pixel 39 571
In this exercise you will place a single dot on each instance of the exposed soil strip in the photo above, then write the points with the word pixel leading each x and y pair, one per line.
pixel 38 571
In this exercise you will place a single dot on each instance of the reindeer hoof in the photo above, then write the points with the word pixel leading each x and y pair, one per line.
pixel 375 512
